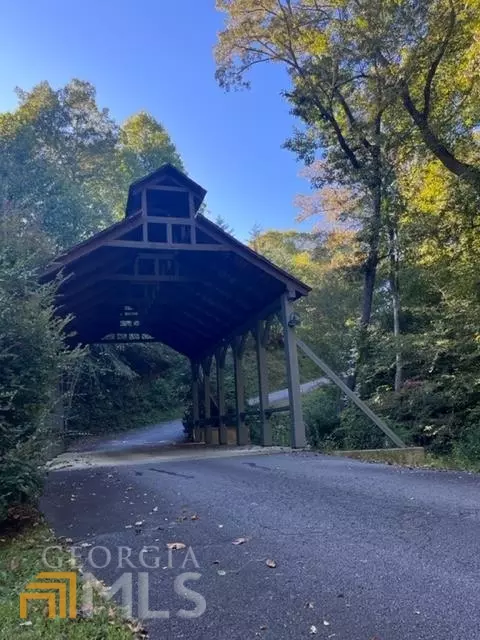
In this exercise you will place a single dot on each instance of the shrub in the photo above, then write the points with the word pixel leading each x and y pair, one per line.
pixel 356 431
pixel 33 357
pixel 321 410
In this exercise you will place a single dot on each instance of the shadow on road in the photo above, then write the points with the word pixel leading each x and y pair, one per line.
pixel 165 434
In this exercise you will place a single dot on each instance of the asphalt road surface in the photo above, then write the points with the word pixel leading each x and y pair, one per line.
pixel 163 434
pixel 361 551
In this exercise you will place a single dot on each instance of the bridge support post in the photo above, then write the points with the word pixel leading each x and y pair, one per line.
pixel 238 347
pixel 220 367
pixel 261 339
pixel 297 432
pixel 195 402
pixel 206 366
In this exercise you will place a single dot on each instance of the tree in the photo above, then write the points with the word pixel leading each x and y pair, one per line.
pixel 145 145
pixel 425 53
pixel 65 161
pixel 56 154
pixel 340 98
pixel 329 262
pixel 66 164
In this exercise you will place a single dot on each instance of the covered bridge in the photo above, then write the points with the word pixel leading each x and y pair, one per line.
pixel 165 273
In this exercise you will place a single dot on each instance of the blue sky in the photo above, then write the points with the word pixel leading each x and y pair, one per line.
pixel 157 55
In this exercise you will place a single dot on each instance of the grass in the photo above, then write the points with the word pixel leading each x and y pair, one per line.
pixel 451 463
pixel 21 548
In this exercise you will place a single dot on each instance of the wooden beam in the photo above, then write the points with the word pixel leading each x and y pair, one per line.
pixel 249 323
pixel 191 210
pixel 217 314
pixel 79 283
pixel 131 244
pixel 262 369
pixel 76 272
pixel 265 337
pixel 170 219
pixel 222 281
pixel 126 277
pixel 251 256
pixel 196 307
pixel 220 356
pixel 238 345
pixel 95 242
pixel 197 320
pixel 229 296
pixel 352 395
pixel 164 187
pixel 195 401
pixel 206 366
pixel 65 303
pixel 297 432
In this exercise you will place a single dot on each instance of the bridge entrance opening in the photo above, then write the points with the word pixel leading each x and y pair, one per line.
pixel 165 273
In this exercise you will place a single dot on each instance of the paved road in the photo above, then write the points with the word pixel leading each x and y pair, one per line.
pixel 363 551
pixel 165 433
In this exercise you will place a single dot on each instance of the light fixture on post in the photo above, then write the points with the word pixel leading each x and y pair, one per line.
pixel 294 320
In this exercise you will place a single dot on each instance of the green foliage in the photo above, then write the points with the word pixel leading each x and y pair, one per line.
pixel 65 166
pixel 356 432
pixel 33 357
pixel 122 387
pixel 56 152
pixel 387 94
pixel 322 409
pixel 144 145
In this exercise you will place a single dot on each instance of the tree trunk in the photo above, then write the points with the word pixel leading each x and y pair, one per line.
pixel 371 264
pixel 395 291
pixel 467 172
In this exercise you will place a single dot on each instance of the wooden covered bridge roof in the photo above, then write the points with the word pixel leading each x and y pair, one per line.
pixel 166 273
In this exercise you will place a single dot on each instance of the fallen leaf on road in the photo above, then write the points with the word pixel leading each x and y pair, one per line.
pixel 271 563
pixel 176 545
pixel 239 541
